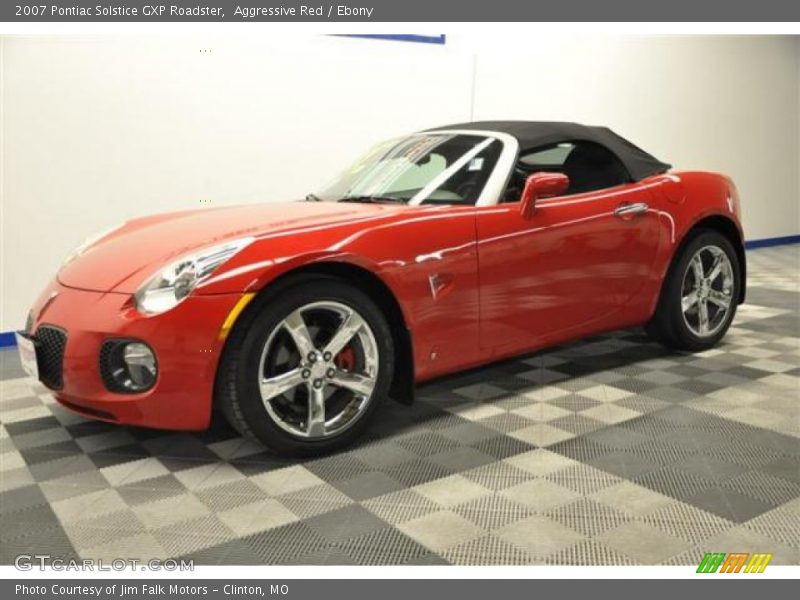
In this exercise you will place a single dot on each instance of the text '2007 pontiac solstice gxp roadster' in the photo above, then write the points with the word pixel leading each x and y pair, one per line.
pixel 435 252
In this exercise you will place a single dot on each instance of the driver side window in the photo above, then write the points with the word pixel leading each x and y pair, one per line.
pixel 589 167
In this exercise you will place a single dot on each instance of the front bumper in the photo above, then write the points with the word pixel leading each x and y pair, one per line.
pixel 186 341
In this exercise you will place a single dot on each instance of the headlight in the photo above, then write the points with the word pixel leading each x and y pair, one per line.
pixel 169 287
pixel 88 242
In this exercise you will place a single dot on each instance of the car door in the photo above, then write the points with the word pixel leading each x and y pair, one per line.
pixel 575 262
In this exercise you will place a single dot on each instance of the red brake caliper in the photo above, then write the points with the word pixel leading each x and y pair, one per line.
pixel 346 359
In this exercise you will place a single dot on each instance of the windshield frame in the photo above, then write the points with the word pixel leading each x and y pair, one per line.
pixel 496 182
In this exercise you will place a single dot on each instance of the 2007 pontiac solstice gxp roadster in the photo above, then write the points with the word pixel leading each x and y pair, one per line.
pixel 435 252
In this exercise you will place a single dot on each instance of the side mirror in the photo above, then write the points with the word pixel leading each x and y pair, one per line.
pixel 538 186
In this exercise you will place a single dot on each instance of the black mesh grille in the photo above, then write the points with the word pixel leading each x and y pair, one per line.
pixel 106 351
pixel 50 345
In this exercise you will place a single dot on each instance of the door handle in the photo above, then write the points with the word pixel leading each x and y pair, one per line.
pixel 628 210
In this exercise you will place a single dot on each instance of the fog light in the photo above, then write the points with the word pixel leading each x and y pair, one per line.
pixel 141 364
pixel 127 366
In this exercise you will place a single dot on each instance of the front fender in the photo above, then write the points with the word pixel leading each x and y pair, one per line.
pixel 259 274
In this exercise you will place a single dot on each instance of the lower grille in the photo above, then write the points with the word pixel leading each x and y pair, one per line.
pixel 50 345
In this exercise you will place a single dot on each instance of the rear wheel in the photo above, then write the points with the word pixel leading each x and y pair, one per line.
pixel 306 374
pixel 700 294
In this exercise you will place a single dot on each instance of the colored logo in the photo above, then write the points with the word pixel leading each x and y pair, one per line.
pixel 736 562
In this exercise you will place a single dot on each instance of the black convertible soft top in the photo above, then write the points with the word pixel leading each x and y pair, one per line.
pixel 535 134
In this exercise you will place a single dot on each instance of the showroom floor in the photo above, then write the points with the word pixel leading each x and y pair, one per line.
pixel 607 451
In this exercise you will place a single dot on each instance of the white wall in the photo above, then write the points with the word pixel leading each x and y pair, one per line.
pixel 99 130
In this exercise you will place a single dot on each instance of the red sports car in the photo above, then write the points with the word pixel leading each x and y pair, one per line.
pixel 435 252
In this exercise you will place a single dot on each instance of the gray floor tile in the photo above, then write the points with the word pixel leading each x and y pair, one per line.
pixel 728 504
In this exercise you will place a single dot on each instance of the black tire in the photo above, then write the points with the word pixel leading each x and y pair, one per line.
pixel 668 325
pixel 237 392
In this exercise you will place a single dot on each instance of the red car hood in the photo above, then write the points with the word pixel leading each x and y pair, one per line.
pixel 122 260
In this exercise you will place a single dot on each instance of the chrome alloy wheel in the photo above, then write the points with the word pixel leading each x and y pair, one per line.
pixel 318 370
pixel 707 291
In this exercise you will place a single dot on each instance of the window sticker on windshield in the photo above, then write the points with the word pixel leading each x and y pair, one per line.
pixel 476 164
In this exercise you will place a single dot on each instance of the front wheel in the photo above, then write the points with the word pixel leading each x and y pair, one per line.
pixel 305 373
pixel 700 294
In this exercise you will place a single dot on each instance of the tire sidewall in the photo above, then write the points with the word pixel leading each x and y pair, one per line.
pixel 252 342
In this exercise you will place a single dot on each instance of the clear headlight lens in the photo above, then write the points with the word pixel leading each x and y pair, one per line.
pixel 88 242
pixel 173 284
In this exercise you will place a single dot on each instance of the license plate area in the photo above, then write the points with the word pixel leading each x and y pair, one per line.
pixel 26 348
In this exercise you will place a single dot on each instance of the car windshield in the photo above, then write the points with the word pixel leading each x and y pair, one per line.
pixel 431 168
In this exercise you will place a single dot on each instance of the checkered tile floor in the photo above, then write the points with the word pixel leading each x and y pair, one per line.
pixel 607 451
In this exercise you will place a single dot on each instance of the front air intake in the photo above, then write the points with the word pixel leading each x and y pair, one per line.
pixel 50 345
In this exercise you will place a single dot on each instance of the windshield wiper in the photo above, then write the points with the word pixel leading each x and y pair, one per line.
pixel 373 199
pixel 313 198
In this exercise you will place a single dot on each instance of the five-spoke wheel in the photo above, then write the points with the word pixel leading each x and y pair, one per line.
pixel 707 293
pixel 700 293
pixel 318 369
pixel 306 366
